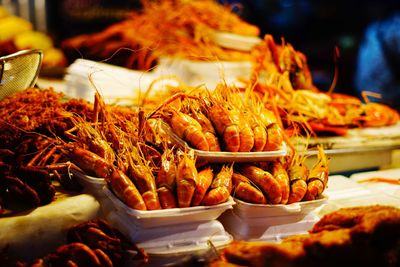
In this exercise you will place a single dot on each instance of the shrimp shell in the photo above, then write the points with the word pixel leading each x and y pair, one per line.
pixel 186 180
pixel 265 181
pixel 220 188
pixel 189 129
pixel 226 126
pixel 125 190
pixel 205 180
pixel 281 175
pixel 244 190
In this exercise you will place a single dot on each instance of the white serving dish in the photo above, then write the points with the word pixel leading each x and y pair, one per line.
pixel 247 221
pixel 168 217
pixel 224 156
pixel 174 239
pixel 92 184
pixel 235 41
pixel 271 229
pixel 250 210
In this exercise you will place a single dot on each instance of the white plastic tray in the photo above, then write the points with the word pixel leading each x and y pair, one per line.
pixel 167 217
pixel 174 240
pixel 271 229
pixel 92 184
pixel 224 156
pixel 250 210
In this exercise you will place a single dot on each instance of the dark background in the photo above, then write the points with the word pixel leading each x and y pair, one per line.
pixel 312 27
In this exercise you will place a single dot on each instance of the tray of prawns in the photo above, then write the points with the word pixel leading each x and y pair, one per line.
pixel 219 126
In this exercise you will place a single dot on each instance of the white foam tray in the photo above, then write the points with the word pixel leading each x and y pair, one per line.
pixel 250 210
pixel 92 185
pixel 272 229
pixel 174 239
pixel 225 156
pixel 167 217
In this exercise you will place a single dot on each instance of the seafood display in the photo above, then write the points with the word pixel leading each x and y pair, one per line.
pixel 282 77
pixel 172 28
pixel 340 238
pixel 92 243
pixel 221 120
pixel 280 182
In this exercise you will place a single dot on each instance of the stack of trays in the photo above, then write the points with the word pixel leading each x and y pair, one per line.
pixel 170 231
pixel 247 221
pixel 162 232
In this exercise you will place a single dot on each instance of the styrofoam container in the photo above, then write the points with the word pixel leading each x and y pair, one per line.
pixel 271 229
pixel 92 185
pixel 174 239
pixel 235 41
pixel 247 221
pixel 225 156
pixel 168 217
pixel 250 210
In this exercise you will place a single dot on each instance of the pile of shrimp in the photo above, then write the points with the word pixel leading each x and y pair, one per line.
pixel 224 119
pixel 172 28
pixel 281 75
pixel 34 124
pixel 282 181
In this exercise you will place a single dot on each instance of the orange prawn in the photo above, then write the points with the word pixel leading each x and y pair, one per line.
pixel 189 130
pixel 125 190
pixel 205 179
pixel 265 181
pixel 166 181
pixel 244 190
pixel 245 132
pixel 89 161
pixel 186 179
pixel 281 175
pixel 274 138
pixel 259 133
pixel 208 130
pixel 226 126
pixel 318 176
pixel 221 187
pixel 145 182
pixel 298 173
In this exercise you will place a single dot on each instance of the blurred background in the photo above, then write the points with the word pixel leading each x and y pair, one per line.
pixel 312 27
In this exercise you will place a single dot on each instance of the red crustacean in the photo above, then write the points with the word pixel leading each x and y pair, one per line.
pixel 220 188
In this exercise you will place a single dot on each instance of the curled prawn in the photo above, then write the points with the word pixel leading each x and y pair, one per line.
pixel 208 130
pixel 265 181
pixel 189 130
pixel 259 133
pixel 125 190
pixel 205 179
pixel 89 161
pixel 166 181
pixel 298 173
pixel 145 182
pixel 186 180
pixel 281 175
pixel 318 176
pixel 226 126
pixel 244 190
pixel 220 188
